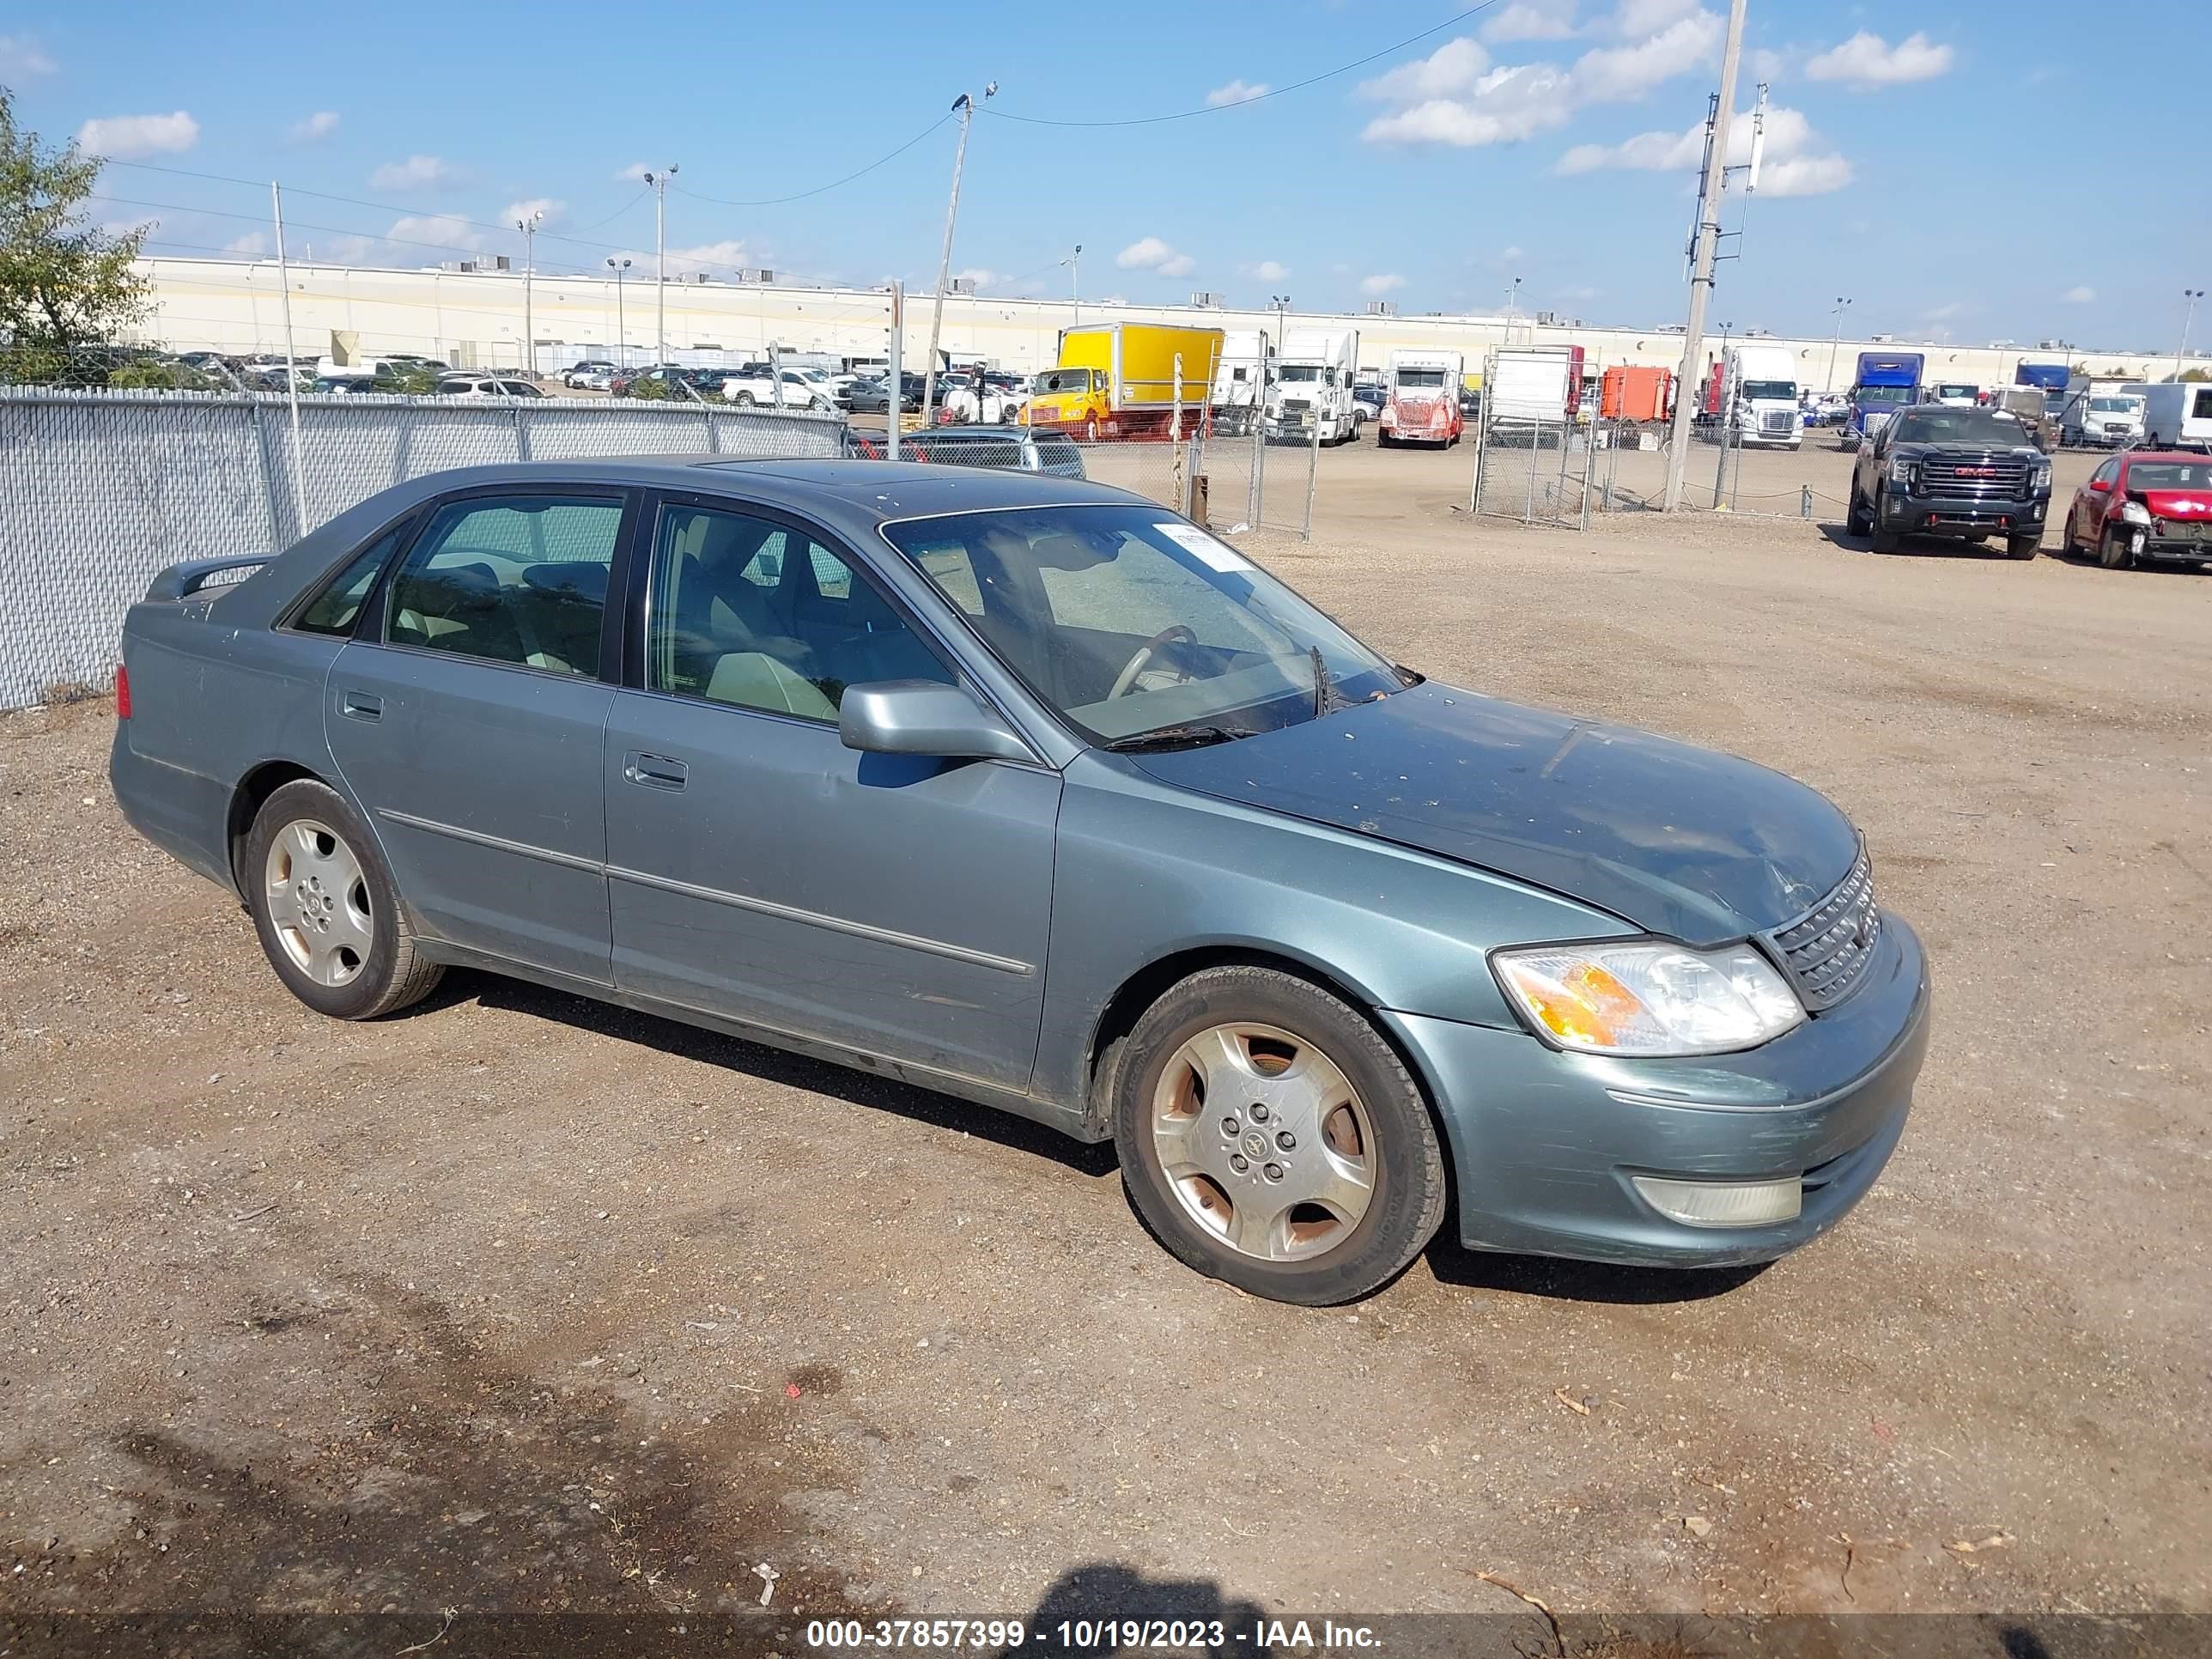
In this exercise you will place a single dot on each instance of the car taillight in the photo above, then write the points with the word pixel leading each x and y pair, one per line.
pixel 122 692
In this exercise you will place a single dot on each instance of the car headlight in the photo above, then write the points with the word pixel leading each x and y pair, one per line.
pixel 2135 512
pixel 1900 469
pixel 2040 477
pixel 1649 998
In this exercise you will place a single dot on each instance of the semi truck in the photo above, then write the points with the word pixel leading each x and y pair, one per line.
pixel 1540 384
pixel 1763 409
pixel 1122 380
pixel 1886 381
pixel 1423 407
pixel 1311 388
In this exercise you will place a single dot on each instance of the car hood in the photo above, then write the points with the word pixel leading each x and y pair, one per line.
pixel 1687 842
pixel 2190 504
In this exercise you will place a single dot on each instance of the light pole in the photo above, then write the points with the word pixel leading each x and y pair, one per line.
pixel 659 183
pixel 2192 296
pixel 965 106
pixel 622 332
pixel 1835 339
pixel 1512 304
pixel 529 228
pixel 1074 263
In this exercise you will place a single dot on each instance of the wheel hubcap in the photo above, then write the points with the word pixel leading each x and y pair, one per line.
pixel 1264 1142
pixel 318 900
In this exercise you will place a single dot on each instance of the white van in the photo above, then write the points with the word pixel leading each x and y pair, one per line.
pixel 2178 414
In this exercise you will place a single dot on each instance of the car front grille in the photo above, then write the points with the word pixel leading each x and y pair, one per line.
pixel 1775 420
pixel 1828 948
pixel 1991 476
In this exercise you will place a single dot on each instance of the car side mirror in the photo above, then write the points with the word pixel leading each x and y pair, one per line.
pixel 921 717
pixel 2102 486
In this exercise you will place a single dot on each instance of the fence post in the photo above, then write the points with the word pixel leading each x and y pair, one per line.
pixel 1313 465
pixel 714 430
pixel 1481 433
pixel 521 434
pixel 1259 440
pixel 1728 425
pixel 1175 440
pixel 267 477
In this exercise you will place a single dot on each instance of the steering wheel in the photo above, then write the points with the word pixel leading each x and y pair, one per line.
pixel 1145 652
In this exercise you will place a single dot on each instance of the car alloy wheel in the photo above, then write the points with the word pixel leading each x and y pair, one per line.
pixel 1267 1144
pixel 1271 1138
pixel 318 903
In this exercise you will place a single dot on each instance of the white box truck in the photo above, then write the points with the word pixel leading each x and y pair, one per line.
pixel 1421 405
pixel 1311 387
pixel 1763 411
pixel 2109 414
pixel 2178 414
pixel 1239 379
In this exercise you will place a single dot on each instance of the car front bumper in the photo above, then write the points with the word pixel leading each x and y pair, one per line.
pixel 1546 1146
pixel 1960 515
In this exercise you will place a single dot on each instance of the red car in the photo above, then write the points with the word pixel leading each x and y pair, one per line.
pixel 2144 504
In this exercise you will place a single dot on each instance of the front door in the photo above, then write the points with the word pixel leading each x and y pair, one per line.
pixel 761 869
pixel 467 718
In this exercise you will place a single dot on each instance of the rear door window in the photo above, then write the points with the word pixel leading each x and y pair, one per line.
pixel 520 579
pixel 338 607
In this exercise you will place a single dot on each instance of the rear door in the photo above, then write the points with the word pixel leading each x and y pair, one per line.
pixel 468 713
pixel 759 869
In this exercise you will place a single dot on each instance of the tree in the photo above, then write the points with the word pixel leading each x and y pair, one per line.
pixel 66 286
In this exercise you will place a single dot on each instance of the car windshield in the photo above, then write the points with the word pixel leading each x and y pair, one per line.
pixel 1064 379
pixel 1884 394
pixel 1418 379
pixel 2169 475
pixel 1304 374
pixel 1955 425
pixel 1130 622
pixel 1777 391
pixel 1950 392
pixel 2115 405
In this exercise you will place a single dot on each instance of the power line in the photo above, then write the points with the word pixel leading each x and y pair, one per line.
pixel 819 189
pixel 1274 92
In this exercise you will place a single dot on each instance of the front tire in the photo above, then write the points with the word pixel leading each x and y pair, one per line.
pixel 325 906
pixel 2113 550
pixel 1271 1139
pixel 2023 547
pixel 1857 519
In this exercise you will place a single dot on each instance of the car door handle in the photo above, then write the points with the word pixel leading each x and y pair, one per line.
pixel 655 771
pixel 361 705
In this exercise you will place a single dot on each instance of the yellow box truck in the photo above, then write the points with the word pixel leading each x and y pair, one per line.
pixel 1119 379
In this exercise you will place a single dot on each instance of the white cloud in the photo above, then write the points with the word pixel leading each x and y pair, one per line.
pixel 416 172
pixel 125 136
pixel 1767 63
pixel 1271 271
pixel 1456 96
pixel 729 252
pixel 435 236
pixel 1384 282
pixel 1151 253
pixel 1532 20
pixel 1795 162
pixel 1619 74
pixel 554 211
pixel 1865 62
pixel 634 172
pixel 2080 294
pixel 1943 313
pixel 1579 294
pixel 21 58
pixel 1512 254
pixel 252 245
pixel 321 124
pixel 1451 68
pixel 1237 92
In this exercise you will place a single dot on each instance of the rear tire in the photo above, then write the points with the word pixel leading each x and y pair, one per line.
pixel 1272 1139
pixel 326 910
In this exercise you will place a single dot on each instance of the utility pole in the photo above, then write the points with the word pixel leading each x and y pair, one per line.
pixel 659 183
pixel 2192 296
pixel 1835 339
pixel 1702 254
pixel 529 229
pixel 291 368
pixel 1512 304
pixel 622 330
pixel 895 379
pixel 965 106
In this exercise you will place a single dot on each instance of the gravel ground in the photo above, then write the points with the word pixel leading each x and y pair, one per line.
pixel 519 1303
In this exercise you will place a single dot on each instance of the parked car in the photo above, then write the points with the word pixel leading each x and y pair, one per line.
pixel 487 385
pixel 2142 505
pixel 624 381
pixel 1966 474
pixel 761 383
pixel 873 397
pixel 1023 449
pixel 1030 791
pixel 591 372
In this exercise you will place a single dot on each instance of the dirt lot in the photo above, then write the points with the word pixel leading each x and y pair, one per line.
pixel 519 1303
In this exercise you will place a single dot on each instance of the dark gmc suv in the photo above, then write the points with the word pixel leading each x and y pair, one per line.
pixel 1968 474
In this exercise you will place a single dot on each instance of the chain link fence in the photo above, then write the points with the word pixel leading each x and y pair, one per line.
pixel 99 491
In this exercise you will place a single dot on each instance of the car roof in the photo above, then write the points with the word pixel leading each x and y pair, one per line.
pixel 2129 457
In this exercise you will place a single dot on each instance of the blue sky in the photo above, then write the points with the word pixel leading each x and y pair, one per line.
pixel 1933 162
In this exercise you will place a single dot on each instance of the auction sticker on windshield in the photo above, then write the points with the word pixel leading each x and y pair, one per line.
pixel 1217 556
